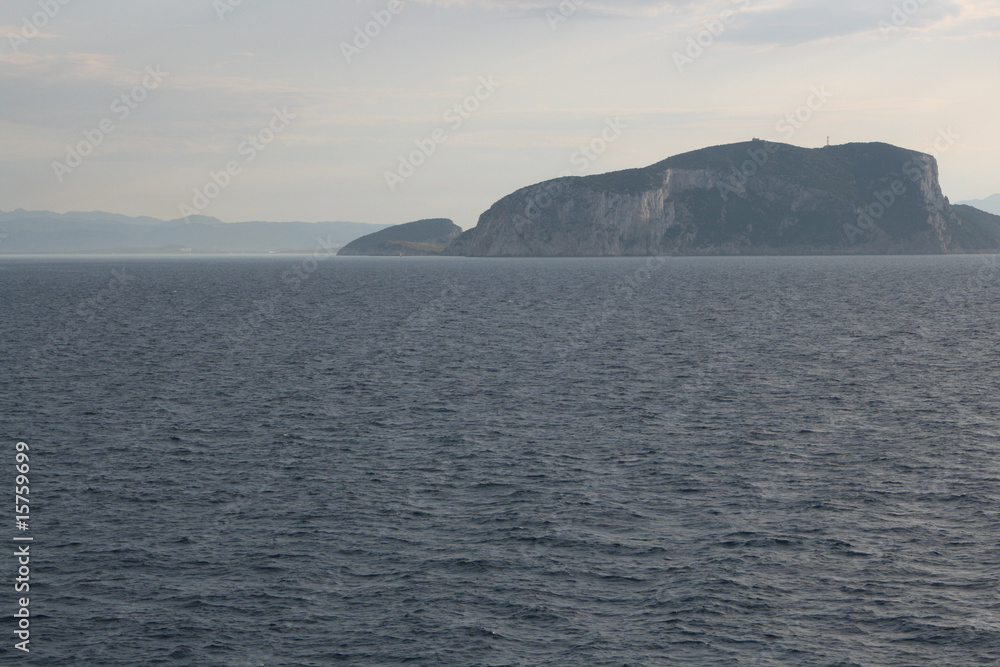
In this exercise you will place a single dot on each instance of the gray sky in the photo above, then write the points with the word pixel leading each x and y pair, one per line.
pixel 312 120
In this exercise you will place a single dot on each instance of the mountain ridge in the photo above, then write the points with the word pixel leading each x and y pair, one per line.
pixel 989 204
pixel 752 197
pixel 44 232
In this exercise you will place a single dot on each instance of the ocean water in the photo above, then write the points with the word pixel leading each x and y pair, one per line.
pixel 687 461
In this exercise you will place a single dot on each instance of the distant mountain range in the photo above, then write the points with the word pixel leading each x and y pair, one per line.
pixel 43 232
pixel 990 204
pixel 748 198
pixel 751 198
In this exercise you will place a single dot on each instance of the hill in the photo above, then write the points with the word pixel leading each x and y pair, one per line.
pixel 990 204
pixel 747 198
pixel 423 237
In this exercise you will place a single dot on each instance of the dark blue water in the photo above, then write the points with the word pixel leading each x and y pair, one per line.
pixel 771 461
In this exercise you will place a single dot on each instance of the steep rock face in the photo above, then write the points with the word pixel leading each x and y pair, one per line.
pixel 749 198
pixel 423 237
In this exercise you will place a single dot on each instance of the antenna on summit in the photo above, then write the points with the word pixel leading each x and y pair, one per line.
pixel 828 141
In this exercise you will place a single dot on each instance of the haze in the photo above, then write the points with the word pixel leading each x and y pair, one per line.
pixel 288 111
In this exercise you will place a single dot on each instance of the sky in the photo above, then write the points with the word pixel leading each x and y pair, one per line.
pixel 386 111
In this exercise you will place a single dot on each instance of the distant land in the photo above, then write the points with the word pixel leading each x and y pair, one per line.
pixel 420 238
pixel 43 232
pixel 990 204
pixel 751 198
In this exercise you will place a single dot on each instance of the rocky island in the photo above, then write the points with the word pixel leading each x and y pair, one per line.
pixel 423 237
pixel 754 197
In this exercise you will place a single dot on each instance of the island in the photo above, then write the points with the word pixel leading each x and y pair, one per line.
pixel 420 238
pixel 749 198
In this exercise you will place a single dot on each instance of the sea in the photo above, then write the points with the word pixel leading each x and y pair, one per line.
pixel 311 461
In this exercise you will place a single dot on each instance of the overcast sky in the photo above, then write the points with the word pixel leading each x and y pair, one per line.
pixel 164 94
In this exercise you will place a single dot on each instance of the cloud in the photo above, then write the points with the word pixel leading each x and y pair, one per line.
pixel 592 7
pixel 64 67
pixel 978 18
pixel 765 22
pixel 794 22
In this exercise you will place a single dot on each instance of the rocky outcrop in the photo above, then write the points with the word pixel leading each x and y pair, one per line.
pixel 749 198
pixel 423 237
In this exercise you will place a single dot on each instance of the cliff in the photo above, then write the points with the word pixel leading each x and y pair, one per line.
pixel 748 198
pixel 423 237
